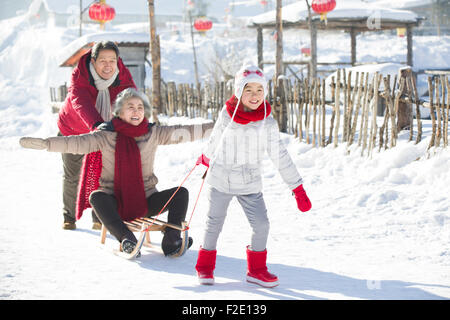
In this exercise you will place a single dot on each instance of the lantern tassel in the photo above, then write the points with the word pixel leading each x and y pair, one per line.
pixel 323 17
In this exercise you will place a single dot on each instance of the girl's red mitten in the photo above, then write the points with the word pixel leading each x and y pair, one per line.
pixel 203 160
pixel 303 202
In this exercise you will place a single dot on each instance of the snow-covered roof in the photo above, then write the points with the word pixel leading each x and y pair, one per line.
pixel 403 4
pixel 349 10
pixel 85 41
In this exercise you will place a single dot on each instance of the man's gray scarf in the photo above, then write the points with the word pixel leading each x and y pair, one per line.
pixel 103 103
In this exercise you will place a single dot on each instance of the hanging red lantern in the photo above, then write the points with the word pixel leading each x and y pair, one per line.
pixel 323 7
pixel 306 51
pixel 100 11
pixel 202 25
pixel 263 3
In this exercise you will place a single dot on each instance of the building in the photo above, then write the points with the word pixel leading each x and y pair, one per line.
pixel 435 12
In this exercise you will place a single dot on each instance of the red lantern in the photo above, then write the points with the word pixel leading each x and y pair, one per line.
pixel 323 7
pixel 263 3
pixel 100 11
pixel 202 25
pixel 306 51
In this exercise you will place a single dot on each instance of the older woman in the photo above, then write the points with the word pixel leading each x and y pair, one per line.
pixel 127 184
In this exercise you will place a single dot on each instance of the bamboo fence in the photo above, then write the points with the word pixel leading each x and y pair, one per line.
pixel 348 116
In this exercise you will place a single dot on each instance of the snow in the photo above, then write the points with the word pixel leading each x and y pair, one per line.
pixel 403 4
pixel 349 9
pixel 379 227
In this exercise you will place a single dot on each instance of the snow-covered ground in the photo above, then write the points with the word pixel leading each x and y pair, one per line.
pixel 379 227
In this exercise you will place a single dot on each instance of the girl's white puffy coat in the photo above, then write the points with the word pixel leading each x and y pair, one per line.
pixel 236 152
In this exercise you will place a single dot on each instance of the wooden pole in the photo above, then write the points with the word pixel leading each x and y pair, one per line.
pixel 351 105
pixel 416 100
pixel 302 97
pixel 433 117
pixel 369 95
pixel 279 49
pixel 197 81
pixel 260 47
pixel 307 109
pixel 313 37
pixel 404 113
pixel 409 44
pixel 333 113
pixel 409 90
pixel 357 107
pixel 279 67
pixel 447 85
pixel 353 45
pixel 337 107
pixel 384 126
pixel 315 90
pixel 363 108
pixel 390 110
pixel 438 112
pixel 156 63
pixel 81 16
pixel 373 130
pixel 323 113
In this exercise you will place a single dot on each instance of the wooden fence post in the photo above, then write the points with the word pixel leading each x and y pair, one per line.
pixel 418 116
pixel 337 103
pixel 357 108
pixel 322 144
pixel 433 117
pixel 373 130
pixel 333 112
pixel 446 117
pixel 365 119
pixel 437 141
pixel 404 113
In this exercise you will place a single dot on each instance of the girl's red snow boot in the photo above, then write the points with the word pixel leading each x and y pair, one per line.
pixel 206 262
pixel 257 269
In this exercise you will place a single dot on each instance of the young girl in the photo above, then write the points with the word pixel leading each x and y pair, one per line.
pixel 127 183
pixel 244 130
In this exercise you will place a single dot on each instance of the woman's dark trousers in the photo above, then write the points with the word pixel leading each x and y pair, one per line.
pixel 105 206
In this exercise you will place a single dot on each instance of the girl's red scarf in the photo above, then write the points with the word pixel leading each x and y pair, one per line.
pixel 128 182
pixel 244 117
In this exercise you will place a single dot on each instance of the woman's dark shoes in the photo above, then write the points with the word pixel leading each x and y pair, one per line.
pixel 172 242
pixel 128 247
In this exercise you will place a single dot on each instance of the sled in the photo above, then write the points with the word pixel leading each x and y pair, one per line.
pixel 145 225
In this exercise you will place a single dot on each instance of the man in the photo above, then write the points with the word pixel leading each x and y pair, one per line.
pixel 96 81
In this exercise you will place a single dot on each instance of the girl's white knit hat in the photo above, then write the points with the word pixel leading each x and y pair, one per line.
pixel 248 73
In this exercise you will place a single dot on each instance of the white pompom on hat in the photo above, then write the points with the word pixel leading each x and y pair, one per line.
pixel 246 74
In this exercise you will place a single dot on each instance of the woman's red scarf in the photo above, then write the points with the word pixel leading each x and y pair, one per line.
pixel 128 182
pixel 244 117
pixel 89 181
